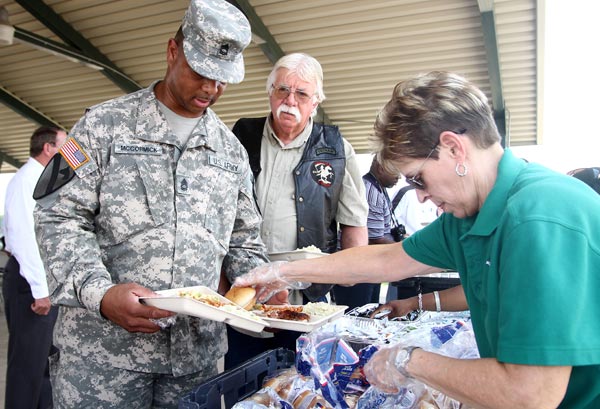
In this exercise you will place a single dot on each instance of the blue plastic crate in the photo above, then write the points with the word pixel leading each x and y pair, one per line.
pixel 238 383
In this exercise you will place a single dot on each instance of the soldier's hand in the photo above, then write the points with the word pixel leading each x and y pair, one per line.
pixel 121 305
pixel 279 298
pixel 41 306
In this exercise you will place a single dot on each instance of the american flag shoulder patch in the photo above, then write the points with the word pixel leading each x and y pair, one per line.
pixel 74 154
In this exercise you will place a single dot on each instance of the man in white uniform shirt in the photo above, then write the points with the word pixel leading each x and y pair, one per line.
pixel 29 315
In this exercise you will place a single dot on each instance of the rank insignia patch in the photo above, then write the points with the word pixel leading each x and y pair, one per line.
pixel 326 151
pixel 74 154
pixel 322 173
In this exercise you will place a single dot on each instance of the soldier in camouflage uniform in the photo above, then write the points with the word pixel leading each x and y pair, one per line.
pixel 152 191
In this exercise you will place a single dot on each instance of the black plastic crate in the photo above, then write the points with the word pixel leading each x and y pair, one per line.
pixel 238 383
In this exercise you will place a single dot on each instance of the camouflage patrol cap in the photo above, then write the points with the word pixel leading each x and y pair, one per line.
pixel 215 34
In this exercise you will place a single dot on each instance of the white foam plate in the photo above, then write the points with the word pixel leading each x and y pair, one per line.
pixel 171 301
pixel 315 321
pixel 295 255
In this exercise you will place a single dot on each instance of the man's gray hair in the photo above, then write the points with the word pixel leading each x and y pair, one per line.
pixel 305 67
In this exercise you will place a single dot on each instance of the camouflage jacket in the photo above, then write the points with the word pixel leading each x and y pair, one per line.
pixel 143 210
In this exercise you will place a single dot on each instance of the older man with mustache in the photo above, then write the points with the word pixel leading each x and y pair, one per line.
pixel 307 182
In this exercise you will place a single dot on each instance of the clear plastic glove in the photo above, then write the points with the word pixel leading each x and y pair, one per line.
pixel 268 280
pixel 381 370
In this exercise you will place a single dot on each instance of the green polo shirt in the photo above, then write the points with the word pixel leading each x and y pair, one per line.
pixel 529 262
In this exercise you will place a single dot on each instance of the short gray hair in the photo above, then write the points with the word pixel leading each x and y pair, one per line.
pixel 409 125
pixel 305 67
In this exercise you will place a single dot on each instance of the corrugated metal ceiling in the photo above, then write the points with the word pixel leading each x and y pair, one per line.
pixel 365 48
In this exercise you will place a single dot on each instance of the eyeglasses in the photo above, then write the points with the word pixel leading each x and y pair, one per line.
pixel 417 181
pixel 283 91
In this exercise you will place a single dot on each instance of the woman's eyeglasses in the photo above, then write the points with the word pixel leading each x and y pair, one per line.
pixel 417 181
pixel 283 91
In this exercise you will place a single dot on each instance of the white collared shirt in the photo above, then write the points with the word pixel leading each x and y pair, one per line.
pixel 19 233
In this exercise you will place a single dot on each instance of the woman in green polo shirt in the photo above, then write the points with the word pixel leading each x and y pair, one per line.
pixel 525 240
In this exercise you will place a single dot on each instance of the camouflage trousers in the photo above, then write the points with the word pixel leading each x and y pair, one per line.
pixel 84 384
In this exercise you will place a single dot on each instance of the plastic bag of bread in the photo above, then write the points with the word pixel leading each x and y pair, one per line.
pixel 310 400
pixel 297 389
pixel 330 361
pixel 437 400
pixel 351 400
pixel 265 398
pixel 408 398
pixel 412 395
pixel 289 384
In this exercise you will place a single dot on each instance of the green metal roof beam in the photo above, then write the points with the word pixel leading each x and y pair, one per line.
pixel 24 109
pixel 47 16
pixel 55 48
pixel 4 157
pixel 267 43
pixel 491 49
pixel 262 36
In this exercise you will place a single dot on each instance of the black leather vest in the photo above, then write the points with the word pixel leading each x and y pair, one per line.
pixel 318 179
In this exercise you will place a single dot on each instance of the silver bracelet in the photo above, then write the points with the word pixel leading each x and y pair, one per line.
pixel 438 305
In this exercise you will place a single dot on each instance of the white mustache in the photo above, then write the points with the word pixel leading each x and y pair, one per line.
pixel 290 110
